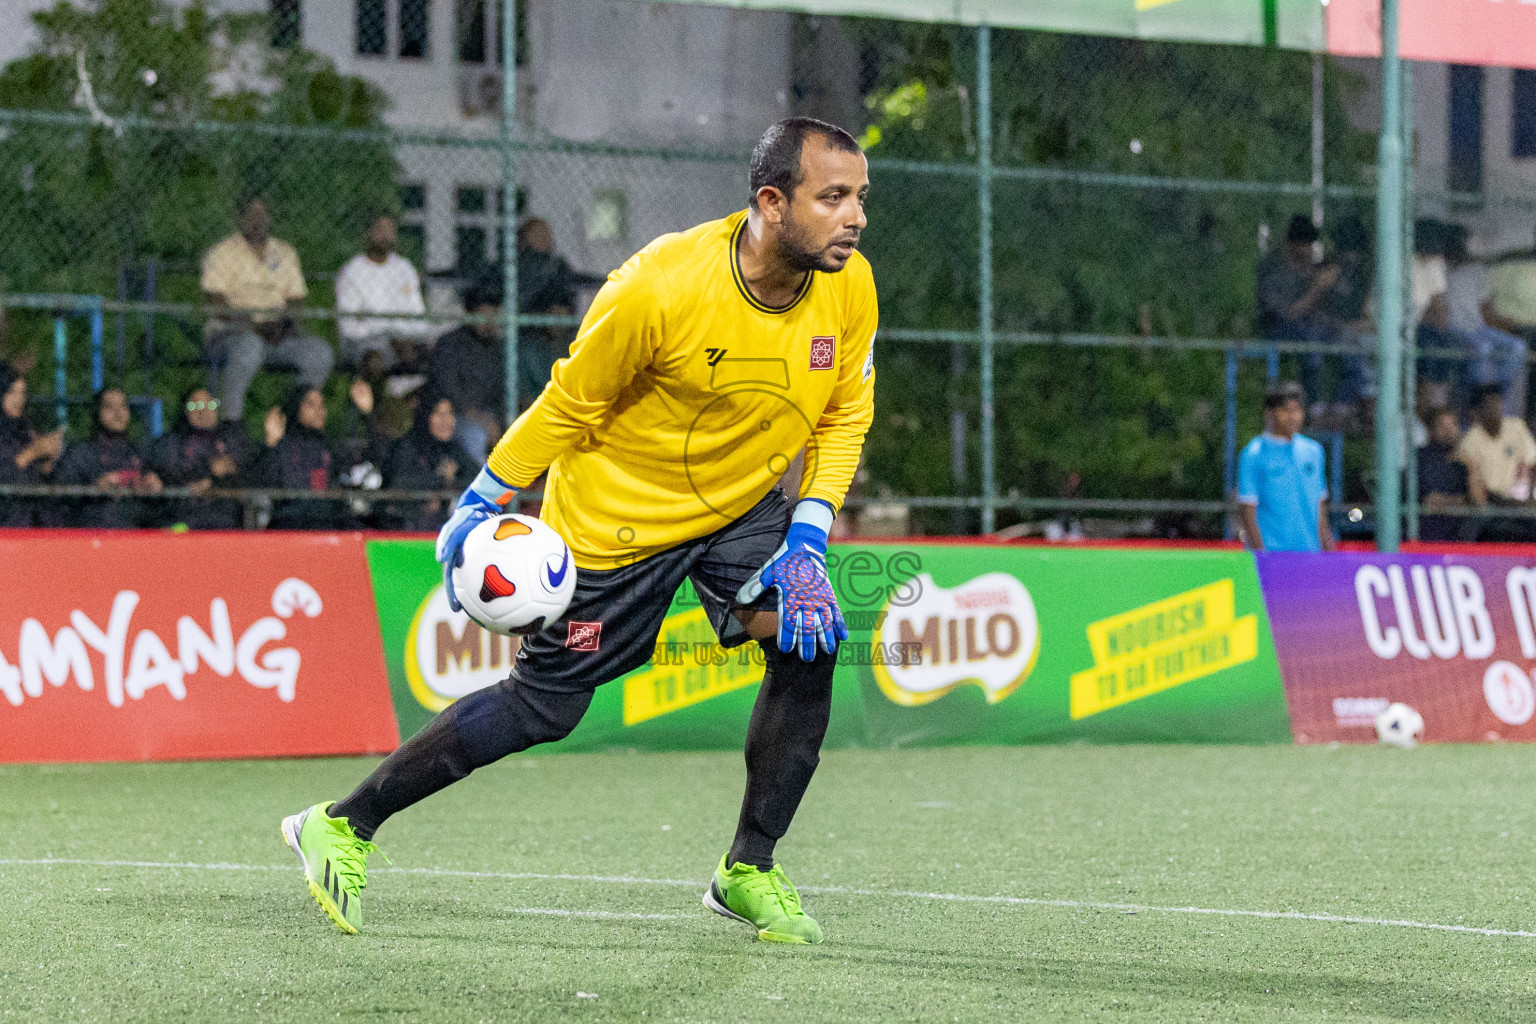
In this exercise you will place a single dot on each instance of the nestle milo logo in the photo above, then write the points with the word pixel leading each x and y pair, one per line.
pixel 447 655
pixel 983 632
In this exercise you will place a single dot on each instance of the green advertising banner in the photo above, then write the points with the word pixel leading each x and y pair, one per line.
pixel 948 644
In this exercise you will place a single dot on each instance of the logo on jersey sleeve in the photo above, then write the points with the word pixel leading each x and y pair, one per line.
pixel 823 353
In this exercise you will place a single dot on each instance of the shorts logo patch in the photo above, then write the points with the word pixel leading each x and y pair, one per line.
pixel 823 353
pixel 583 636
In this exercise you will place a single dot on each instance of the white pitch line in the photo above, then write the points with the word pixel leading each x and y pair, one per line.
pixel 941 897
pixel 607 915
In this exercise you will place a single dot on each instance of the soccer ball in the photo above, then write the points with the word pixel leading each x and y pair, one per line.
pixel 517 575
pixel 1400 726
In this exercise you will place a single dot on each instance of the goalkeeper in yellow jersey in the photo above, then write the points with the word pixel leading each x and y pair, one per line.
pixel 706 363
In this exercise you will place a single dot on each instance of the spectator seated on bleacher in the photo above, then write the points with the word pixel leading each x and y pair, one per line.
pixel 1443 480
pixel 1498 355
pixel 1292 289
pixel 1512 288
pixel 1428 282
pixel 468 366
pixel 546 285
pixel 112 463
pixel 381 292
pixel 428 458
pixel 25 456
pixel 1500 455
pixel 257 285
pixel 202 452
pixel 298 456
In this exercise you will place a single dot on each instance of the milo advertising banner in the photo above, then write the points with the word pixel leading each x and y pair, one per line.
pixel 948 644
pixel 1024 644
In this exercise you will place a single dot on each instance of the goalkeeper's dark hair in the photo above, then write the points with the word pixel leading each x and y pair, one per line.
pixel 776 157
pixel 1283 394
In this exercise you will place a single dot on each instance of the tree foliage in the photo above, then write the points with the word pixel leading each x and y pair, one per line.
pixel 191 109
pixel 1074 253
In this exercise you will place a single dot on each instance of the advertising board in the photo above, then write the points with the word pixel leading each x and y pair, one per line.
pixel 140 646
pixel 1452 636
pixel 948 644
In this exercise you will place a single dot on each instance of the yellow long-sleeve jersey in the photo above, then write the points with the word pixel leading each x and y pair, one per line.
pixel 683 399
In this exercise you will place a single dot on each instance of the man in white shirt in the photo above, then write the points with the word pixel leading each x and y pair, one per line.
pixel 1498 356
pixel 1431 319
pixel 382 284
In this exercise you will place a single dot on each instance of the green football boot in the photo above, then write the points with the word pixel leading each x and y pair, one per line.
pixel 763 899
pixel 335 863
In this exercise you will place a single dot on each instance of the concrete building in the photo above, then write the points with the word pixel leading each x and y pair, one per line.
pixel 1475 145
pixel 659 76
pixel 636 75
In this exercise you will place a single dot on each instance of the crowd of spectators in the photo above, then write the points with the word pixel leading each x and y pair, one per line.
pixel 423 405
pixel 1474 322
pixel 420 411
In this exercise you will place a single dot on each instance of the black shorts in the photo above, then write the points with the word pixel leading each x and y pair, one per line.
pixel 615 615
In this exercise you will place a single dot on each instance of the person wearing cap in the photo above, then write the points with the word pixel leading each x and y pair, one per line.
pixel 1291 288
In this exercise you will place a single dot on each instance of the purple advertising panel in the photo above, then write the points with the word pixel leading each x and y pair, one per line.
pixel 1451 636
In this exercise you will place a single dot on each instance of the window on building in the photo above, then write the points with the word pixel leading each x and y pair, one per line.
pixel 1522 135
pixel 608 216
pixel 474 226
pixel 415 28
pixel 478 25
pixel 413 223
pixel 1464 172
pixel 287 29
pixel 470 199
pixel 372 27
pixel 521 28
pixel 471 30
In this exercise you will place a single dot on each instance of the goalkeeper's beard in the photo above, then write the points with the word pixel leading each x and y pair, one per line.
pixel 795 251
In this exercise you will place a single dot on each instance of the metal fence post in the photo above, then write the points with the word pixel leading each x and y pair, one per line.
pixel 984 284
pixel 1389 271
pixel 509 304
pixel 1317 140
pixel 60 377
pixel 1229 443
pixel 1410 329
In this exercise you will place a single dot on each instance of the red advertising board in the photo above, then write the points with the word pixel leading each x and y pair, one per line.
pixel 1452 636
pixel 144 646
pixel 1498 32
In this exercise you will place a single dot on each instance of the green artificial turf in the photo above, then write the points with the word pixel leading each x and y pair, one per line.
pixel 1438 835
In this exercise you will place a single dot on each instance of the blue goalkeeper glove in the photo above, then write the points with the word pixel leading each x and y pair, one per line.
pixel 485 497
pixel 808 612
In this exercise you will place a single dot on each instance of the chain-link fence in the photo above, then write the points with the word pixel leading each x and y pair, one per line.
pixel 1086 350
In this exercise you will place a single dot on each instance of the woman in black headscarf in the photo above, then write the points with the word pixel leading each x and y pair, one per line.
pixel 427 458
pixel 299 457
pixel 201 453
pixel 113 464
pixel 25 458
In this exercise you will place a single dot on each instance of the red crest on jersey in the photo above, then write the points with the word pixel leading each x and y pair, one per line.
pixel 823 353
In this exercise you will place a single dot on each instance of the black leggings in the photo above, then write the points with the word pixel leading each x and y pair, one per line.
pixel 789 721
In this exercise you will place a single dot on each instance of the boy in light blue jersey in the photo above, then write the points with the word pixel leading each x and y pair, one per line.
pixel 1280 480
